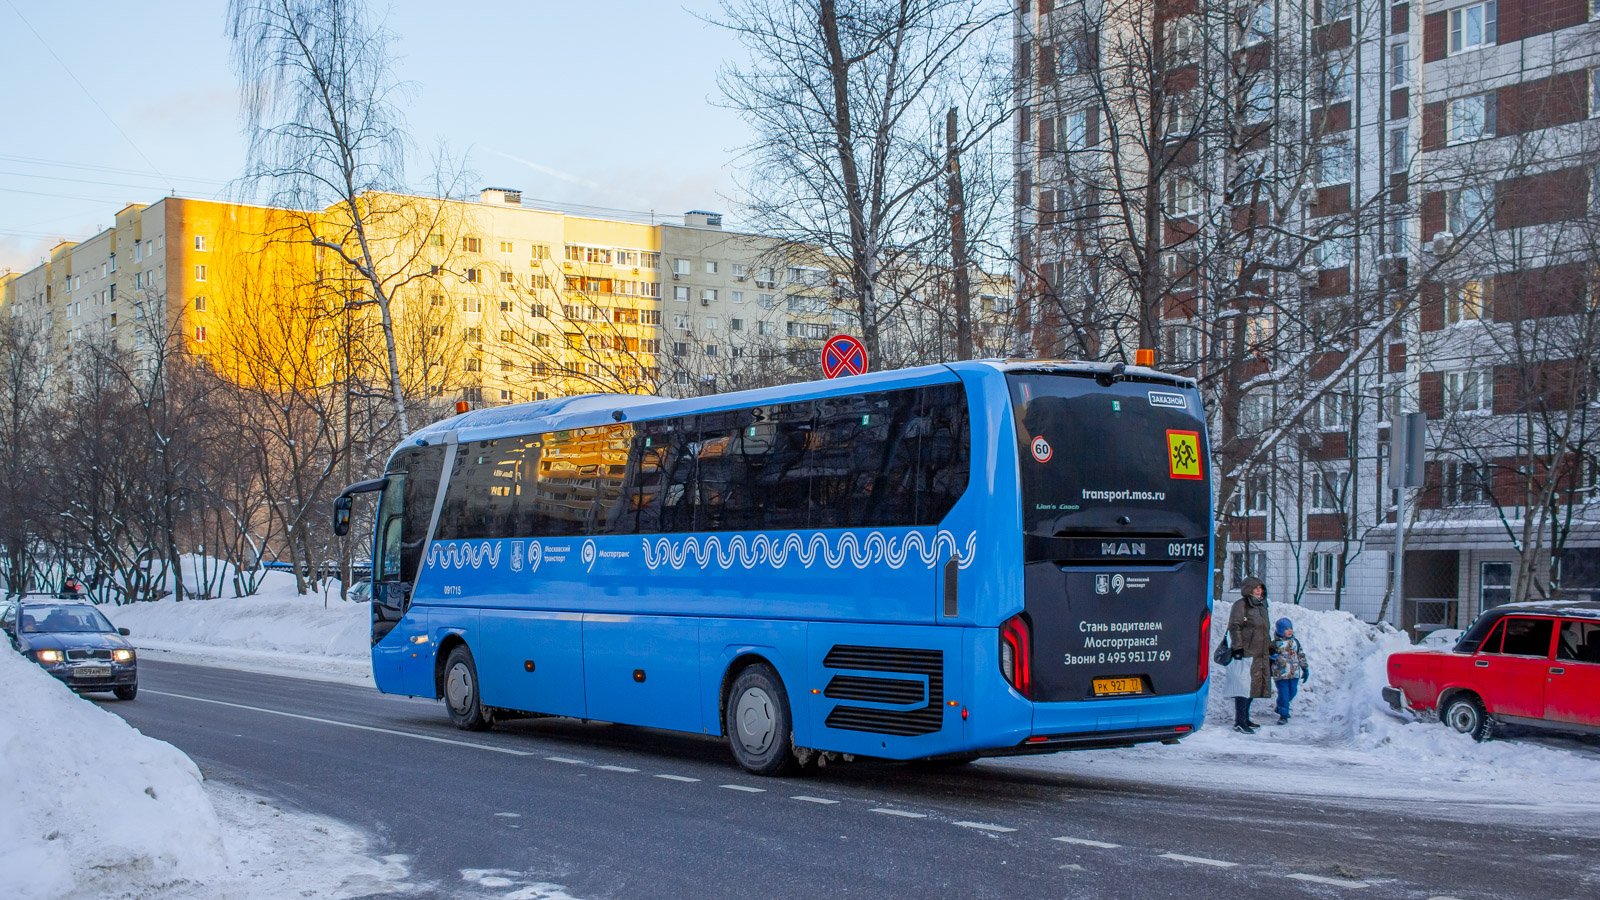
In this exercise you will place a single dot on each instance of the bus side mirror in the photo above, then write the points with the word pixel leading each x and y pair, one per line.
pixel 341 515
pixel 124 632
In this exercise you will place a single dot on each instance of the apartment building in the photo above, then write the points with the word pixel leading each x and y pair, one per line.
pixel 1435 160
pixel 495 301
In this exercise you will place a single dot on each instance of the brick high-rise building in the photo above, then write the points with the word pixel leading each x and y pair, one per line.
pixel 1330 212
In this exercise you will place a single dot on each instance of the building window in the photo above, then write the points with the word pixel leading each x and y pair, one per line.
pixel 1473 26
pixel 1246 564
pixel 1467 208
pixel 200 243
pixel 1333 252
pixel 1470 118
pixel 680 267
pixel 711 267
pixel 766 277
pixel 1182 36
pixel 1399 65
pixel 505 246
pixel 681 323
pixel 766 328
pixel 1461 484
pixel 1179 119
pixel 199 273
pixel 200 334
pixel 1399 149
pixel 1327 489
pixel 1333 163
pixel 680 348
pixel 1332 412
pixel 711 349
pixel 472 245
pixel 471 275
pixel 680 294
pixel 735 324
pixel 435 240
pixel 1259 100
pixel 200 304
pixel 1336 79
pixel 708 296
pixel 738 271
pixel 1336 10
pixel 1324 572
pixel 736 296
pixel 1468 391
pixel 1075 131
pixel 1182 197
pixel 1494 584
pixel 505 365
pixel 472 334
pixel 471 304
pixel 507 278
pixel 1464 302
pixel 1396 234
pixel 540 251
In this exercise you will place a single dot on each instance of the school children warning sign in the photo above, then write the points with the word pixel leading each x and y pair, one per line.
pixel 1183 454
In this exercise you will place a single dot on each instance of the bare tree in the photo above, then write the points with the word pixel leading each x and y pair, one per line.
pixel 320 103
pixel 848 102
pixel 23 465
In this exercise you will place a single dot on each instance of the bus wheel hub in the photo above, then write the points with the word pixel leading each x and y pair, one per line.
pixel 755 719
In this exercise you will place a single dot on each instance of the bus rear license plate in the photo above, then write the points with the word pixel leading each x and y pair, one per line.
pixel 1118 685
pixel 92 672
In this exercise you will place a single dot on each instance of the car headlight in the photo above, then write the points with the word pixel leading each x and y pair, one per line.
pixel 123 655
pixel 49 656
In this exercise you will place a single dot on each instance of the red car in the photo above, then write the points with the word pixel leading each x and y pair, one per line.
pixel 1532 664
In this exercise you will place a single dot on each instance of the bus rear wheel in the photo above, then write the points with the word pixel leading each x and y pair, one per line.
pixel 758 723
pixel 461 691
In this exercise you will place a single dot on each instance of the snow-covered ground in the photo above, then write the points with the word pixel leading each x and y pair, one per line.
pixel 1343 743
pixel 89 807
pixel 274 630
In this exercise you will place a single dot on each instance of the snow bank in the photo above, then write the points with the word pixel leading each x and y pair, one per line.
pixel 1343 742
pixel 275 619
pixel 88 806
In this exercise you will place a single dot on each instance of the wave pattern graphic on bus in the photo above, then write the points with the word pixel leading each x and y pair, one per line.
pixel 860 552
pixel 464 554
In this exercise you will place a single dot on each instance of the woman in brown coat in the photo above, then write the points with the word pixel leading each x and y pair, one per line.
pixel 1250 638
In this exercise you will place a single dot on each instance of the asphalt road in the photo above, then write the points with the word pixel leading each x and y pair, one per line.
pixel 611 811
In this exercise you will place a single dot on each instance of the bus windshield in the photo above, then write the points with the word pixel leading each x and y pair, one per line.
pixel 1096 461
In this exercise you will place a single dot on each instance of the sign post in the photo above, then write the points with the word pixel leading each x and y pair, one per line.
pixel 1407 441
pixel 843 355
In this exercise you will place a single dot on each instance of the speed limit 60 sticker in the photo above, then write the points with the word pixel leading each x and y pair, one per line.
pixel 1041 449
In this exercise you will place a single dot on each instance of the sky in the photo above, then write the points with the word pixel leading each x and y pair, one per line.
pixel 609 105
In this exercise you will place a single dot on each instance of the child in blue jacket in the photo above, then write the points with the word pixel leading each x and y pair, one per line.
pixel 1289 666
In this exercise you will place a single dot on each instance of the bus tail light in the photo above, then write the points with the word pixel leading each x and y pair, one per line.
pixel 1016 654
pixel 1205 655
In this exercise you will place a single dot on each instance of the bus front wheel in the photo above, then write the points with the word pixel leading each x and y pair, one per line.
pixel 461 691
pixel 758 724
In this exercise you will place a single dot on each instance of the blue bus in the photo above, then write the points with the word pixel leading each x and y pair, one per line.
pixel 974 559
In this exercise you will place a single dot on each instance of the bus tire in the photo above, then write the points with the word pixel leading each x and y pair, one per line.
pixel 758 723
pixel 461 698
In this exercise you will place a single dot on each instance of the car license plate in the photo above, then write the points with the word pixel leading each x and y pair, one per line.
pixel 1118 685
pixel 92 672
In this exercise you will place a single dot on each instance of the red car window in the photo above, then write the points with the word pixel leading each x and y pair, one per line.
pixel 1491 644
pixel 1527 637
pixel 1579 642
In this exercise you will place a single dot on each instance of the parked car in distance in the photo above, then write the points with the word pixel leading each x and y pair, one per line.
pixel 72 640
pixel 1529 664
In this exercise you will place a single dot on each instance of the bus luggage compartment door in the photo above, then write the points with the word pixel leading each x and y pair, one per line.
pixel 642 670
pixel 532 661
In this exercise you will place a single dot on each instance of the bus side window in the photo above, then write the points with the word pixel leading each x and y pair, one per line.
pixel 946 451
pixel 777 462
pixel 861 470
pixel 726 502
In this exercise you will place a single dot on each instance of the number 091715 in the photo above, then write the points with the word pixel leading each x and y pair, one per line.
pixel 1186 550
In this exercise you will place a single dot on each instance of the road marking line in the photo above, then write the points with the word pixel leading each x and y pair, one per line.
pixel 813 799
pixel 1088 843
pixel 899 812
pixel 1336 882
pixel 616 768
pixel 1219 863
pixel 563 759
pixel 747 790
pixel 984 826
pixel 304 718
pixel 509 815
pixel 677 778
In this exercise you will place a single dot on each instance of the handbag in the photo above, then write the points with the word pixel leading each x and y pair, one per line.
pixel 1223 654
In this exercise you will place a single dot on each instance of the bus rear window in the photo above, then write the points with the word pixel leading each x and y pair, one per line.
pixel 1129 458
